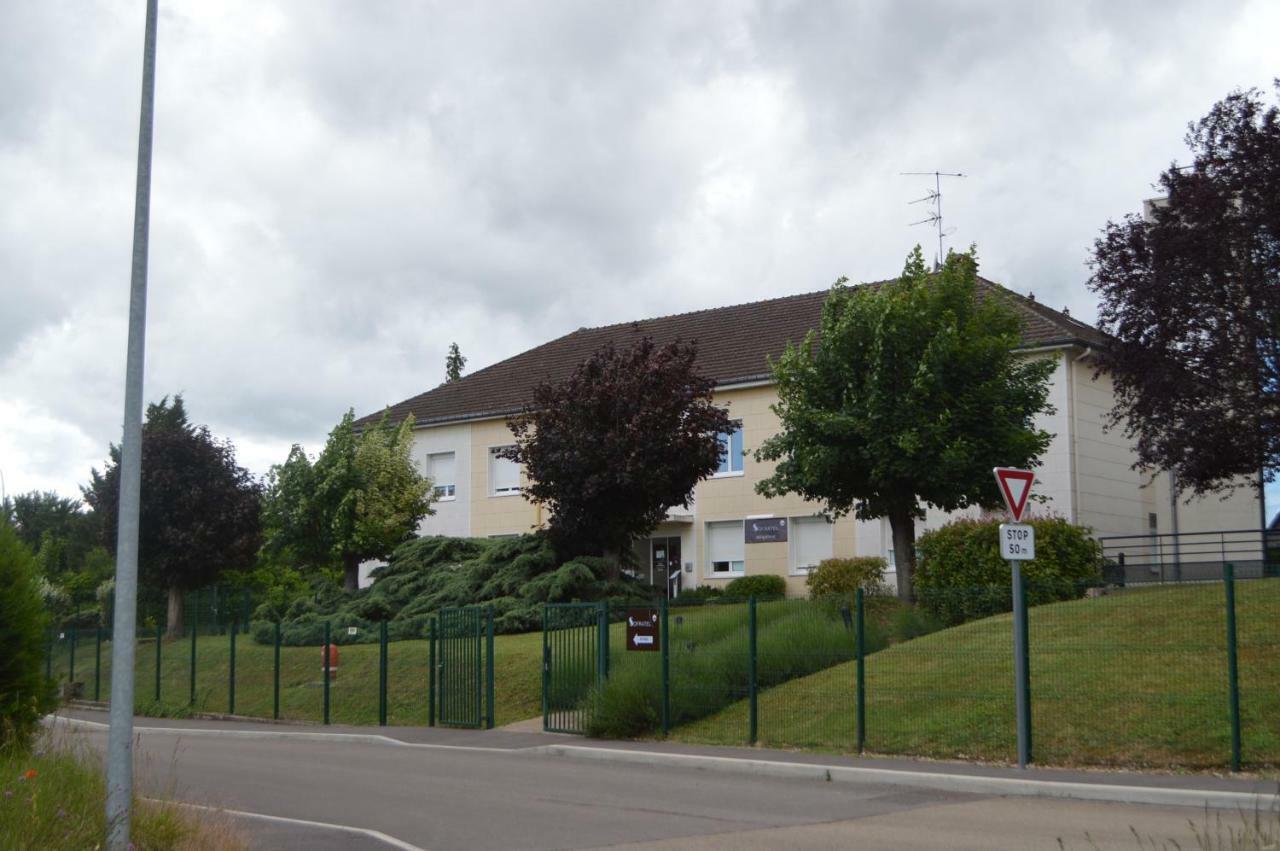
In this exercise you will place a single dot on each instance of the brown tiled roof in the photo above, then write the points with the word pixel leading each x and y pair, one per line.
pixel 733 345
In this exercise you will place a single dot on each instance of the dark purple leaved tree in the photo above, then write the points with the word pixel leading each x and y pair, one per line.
pixel 616 444
pixel 1192 297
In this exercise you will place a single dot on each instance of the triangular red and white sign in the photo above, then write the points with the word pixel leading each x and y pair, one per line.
pixel 1015 487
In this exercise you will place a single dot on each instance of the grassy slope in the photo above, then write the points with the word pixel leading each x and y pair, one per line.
pixel 1136 678
pixel 353 692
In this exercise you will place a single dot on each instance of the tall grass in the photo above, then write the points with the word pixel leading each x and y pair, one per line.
pixel 710 664
pixel 54 797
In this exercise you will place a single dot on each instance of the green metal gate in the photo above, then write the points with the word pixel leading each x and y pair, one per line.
pixel 464 675
pixel 575 659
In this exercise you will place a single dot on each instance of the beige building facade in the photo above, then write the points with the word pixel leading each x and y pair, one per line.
pixel 1085 476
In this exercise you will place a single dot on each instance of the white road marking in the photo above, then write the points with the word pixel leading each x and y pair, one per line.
pixel 345 828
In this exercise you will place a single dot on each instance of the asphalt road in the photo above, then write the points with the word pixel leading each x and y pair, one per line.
pixel 437 798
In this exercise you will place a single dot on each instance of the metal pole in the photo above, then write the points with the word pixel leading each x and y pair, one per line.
pixel 120 734
pixel 159 636
pixel 1233 673
pixel 231 674
pixel 1022 689
pixel 752 685
pixel 97 666
pixel 325 656
pixel 665 639
pixel 431 673
pixel 382 674
pixel 195 628
pixel 488 669
pixel 860 653
pixel 275 680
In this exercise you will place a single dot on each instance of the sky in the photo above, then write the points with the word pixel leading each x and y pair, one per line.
pixel 343 189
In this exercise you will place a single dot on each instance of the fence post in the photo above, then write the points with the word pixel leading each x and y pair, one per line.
pixel 488 669
pixel 97 666
pixel 231 683
pixel 431 673
pixel 71 663
pixel 666 670
pixel 602 642
pixel 382 674
pixel 159 642
pixel 325 657
pixel 1233 674
pixel 752 685
pixel 275 675
pixel 860 653
pixel 195 628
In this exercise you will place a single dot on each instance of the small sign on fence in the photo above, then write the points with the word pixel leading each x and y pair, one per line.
pixel 642 630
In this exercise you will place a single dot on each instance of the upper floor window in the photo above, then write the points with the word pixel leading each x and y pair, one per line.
pixel 731 451
pixel 504 474
pixel 440 470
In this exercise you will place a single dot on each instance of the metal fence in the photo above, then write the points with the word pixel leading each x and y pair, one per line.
pixel 1153 674
pixel 211 668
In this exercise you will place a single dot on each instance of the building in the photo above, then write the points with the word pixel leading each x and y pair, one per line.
pixel 1086 475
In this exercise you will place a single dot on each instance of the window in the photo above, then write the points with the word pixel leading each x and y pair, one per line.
pixel 731 452
pixel 810 543
pixel 725 548
pixel 504 474
pixel 440 472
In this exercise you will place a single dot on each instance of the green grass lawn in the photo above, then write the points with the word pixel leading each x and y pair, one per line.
pixel 353 691
pixel 1137 678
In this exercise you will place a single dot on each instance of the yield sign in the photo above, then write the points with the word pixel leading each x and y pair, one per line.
pixel 1015 487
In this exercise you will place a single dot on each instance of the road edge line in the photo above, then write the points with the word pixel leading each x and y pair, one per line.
pixel 283 735
pixel 324 825
pixel 979 784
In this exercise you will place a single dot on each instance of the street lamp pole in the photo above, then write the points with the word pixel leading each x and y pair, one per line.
pixel 120 734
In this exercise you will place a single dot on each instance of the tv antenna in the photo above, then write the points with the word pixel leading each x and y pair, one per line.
pixel 934 197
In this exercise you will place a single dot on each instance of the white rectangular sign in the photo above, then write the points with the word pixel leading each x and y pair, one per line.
pixel 1017 541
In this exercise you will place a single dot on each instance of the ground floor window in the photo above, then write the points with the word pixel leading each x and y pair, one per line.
pixel 725 548
pixel 810 539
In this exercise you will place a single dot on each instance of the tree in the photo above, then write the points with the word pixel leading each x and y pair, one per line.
pixel 25 694
pixel 909 394
pixel 1192 298
pixel 56 529
pixel 360 498
pixel 199 512
pixel 616 444
pixel 453 364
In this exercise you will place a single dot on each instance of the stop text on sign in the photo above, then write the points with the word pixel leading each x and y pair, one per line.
pixel 1017 541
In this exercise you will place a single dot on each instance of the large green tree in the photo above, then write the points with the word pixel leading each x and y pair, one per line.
pixel 200 510
pixel 617 443
pixel 357 501
pixel 908 394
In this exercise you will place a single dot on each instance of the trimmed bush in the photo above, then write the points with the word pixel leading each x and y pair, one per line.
pixel 960 576
pixel 515 576
pixel 701 594
pixel 765 587
pixel 841 577
pixel 25 694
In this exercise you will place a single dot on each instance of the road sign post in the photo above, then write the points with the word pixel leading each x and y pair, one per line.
pixel 1018 544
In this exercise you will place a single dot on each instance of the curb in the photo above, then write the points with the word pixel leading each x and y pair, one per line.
pixel 1246 802
pixel 972 784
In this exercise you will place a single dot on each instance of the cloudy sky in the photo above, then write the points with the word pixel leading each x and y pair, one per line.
pixel 342 188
